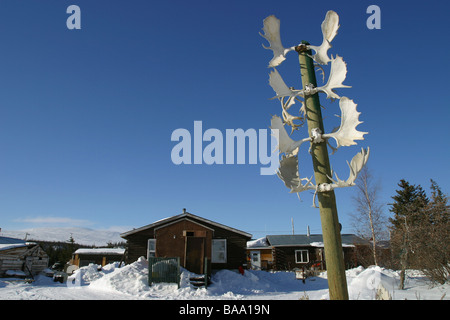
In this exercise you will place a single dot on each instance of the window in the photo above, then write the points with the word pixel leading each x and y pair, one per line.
pixel 301 256
pixel 219 251
pixel 151 248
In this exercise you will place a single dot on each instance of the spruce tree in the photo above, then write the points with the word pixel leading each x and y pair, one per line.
pixel 409 209
pixel 409 204
pixel 433 241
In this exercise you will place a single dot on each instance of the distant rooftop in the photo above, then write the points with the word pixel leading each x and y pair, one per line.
pixel 315 240
pixel 7 243
pixel 104 251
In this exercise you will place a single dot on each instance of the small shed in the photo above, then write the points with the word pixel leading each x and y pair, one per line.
pixel 259 254
pixel 101 256
pixel 288 252
pixel 191 238
pixel 19 256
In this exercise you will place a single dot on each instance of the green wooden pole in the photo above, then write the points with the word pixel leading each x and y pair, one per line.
pixel 334 257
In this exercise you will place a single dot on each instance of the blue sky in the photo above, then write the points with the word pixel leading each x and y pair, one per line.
pixel 86 116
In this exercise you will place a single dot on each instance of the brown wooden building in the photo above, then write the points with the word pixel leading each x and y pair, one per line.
pixel 191 238
pixel 288 252
pixel 101 256
pixel 18 255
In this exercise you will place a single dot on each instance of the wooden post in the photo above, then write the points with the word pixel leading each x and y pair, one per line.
pixel 206 273
pixel 334 257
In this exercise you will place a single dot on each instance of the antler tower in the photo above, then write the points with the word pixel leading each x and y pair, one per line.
pixel 310 109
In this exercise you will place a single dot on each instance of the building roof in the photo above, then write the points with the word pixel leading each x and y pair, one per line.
pixel 7 243
pixel 103 251
pixel 314 240
pixel 187 216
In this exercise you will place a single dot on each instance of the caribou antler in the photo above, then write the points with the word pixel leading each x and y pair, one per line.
pixel 272 34
pixel 288 172
pixel 286 145
pixel 329 27
pixel 356 165
pixel 347 133
pixel 338 72
pixel 287 117
pixel 281 89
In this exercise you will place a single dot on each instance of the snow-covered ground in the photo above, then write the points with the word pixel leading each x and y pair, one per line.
pixel 130 283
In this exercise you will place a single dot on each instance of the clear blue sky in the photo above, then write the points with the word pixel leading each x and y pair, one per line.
pixel 86 116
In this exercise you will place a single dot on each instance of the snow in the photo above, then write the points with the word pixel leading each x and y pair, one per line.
pixel 83 236
pixel 129 282
pixel 261 242
pixel 15 273
pixel 11 246
pixel 100 251
pixel 321 245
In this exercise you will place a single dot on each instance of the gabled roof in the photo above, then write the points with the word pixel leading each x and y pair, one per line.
pixel 103 251
pixel 315 240
pixel 183 216
pixel 8 240
pixel 7 243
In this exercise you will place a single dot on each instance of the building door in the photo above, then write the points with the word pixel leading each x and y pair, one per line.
pixel 195 254
pixel 256 260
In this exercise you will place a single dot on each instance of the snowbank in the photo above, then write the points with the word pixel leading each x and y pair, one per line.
pixel 132 279
pixel 131 282
pixel 227 284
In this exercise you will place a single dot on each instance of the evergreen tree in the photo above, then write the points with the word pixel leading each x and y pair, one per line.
pixel 439 211
pixel 420 231
pixel 409 211
pixel 433 239
pixel 409 204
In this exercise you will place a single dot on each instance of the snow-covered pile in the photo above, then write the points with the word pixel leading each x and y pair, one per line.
pixel 363 283
pixel 131 282
pixel 88 275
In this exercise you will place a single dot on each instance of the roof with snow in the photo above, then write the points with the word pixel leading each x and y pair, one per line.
pixel 103 251
pixel 7 243
pixel 315 240
pixel 258 243
pixel 184 215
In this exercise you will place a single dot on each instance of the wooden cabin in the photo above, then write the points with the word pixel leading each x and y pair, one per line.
pixel 21 257
pixel 289 252
pixel 191 238
pixel 101 256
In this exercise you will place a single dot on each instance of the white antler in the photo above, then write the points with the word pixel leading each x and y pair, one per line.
pixel 330 27
pixel 272 34
pixel 279 86
pixel 357 163
pixel 288 172
pixel 289 118
pixel 338 72
pixel 282 91
pixel 285 144
pixel 347 133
